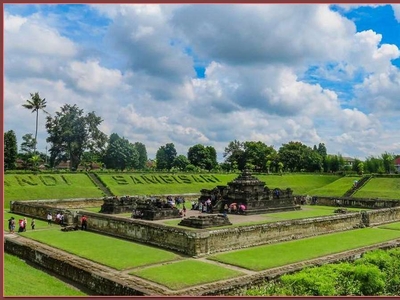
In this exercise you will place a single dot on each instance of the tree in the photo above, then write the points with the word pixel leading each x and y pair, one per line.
pixel 257 154
pixel 292 155
pixel 35 104
pixel 165 156
pixel 234 155
pixel 34 162
pixel 388 162
pixel 141 149
pixel 180 162
pixel 202 157
pixel 10 150
pixel 322 150
pixel 28 144
pixel 71 133
pixel 120 154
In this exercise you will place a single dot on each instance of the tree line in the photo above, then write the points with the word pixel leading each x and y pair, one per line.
pixel 75 136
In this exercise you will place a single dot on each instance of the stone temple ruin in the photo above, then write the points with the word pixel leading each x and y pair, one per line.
pixel 140 207
pixel 251 192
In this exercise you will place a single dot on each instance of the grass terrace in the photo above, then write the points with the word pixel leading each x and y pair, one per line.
pixel 308 211
pixel 112 252
pixel 335 189
pixel 182 274
pixel 161 183
pixel 301 184
pixel 393 226
pixel 33 282
pixel 382 188
pixel 48 186
pixel 276 255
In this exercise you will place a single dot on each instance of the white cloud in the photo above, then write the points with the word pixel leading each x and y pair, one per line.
pixel 89 76
pixel 396 10
pixel 141 79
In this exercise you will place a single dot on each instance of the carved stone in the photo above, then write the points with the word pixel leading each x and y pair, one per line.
pixel 206 221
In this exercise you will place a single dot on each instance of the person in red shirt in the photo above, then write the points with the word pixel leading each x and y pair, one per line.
pixel 84 223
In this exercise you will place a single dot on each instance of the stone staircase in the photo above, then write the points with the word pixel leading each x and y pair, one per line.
pixel 363 181
pixel 99 184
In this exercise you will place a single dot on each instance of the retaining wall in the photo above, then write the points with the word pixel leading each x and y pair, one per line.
pixel 204 241
pixel 358 202
pixel 100 279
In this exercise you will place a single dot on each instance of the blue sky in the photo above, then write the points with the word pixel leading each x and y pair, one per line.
pixel 211 74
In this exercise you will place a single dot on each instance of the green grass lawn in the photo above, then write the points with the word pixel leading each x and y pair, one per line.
pixel 54 186
pixel 39 224
pixel 92 209
pixel 382 188
pixel 21 279
pixel 270 256
pixel 134 184
pixel 394 226
pixel 301 184
pixel 113 252
pixel 308 211
pixel 182 274
pixel 335 189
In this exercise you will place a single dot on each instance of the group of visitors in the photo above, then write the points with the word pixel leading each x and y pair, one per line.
pixel 22 224
pixel 173 202
pixel 59 218
pixel 204 206
pixel 235 208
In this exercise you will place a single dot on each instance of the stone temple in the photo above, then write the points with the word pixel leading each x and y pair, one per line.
pixel 254 194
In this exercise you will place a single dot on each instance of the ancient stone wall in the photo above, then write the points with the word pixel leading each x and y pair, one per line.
pixel 357 202
pixel 246 236
pixel 100 279
pixel 382 216
pixel 177 239
pixel 67 203
pixel 41 209
pixel 200 242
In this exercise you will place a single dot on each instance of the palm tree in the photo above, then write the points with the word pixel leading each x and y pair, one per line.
pixel 35 104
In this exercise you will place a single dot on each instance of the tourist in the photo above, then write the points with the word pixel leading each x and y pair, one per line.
pixel 21 225
pixel 242 208
pixel 61 219
pixel 184 210
pixel 84 223
pixel 25 224
pixel 226 209
pixel 204 208
pixel 208 205
pixel 200 206
pixel 58 217
pixel 49 218
pixel 33 224
pixel 11 225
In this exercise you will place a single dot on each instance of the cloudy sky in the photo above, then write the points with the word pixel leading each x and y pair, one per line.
pixel 210 74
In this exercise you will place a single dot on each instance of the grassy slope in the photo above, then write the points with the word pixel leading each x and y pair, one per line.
pixel 184 275
pixel 115 253
pixel 335 189
pixel 309 211
pixel 270 256
pixel 48 187
pixel 34 283
pixel 383 188
pixel 125 185
pixel 301 184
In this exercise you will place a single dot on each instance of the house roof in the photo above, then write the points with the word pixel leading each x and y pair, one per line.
pixel 397 161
